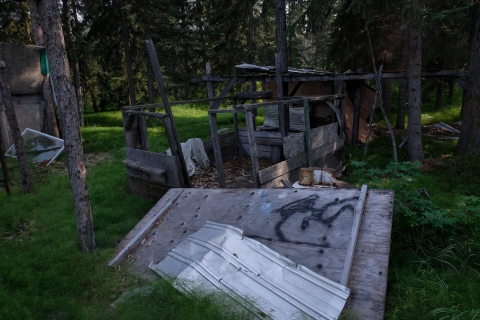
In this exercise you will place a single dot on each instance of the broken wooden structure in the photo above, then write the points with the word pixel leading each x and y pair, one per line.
pixel 341 234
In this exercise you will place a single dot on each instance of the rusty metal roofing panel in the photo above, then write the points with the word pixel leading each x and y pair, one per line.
pixel 219 258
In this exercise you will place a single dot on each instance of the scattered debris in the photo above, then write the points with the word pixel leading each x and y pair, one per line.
pixel 445 126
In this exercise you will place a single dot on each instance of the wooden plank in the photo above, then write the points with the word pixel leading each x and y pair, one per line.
pixel 294 144
pixel 254 95
pixel 283 117
pixel 253 147
pixel 157 160
pixel 142 124
pixel 127 124
pixel 224 92
pixel 166 104
pixel 212 119
pixel 295 89
pixel 210 93
pixel 334 109
pixel 144 171
pixel 262 137
pixel 144 113
pixel 308 140
pixel 320 245
pixel 283 167
pixel 462 83
pixel 175 151
pixel 358 213
pixel 138 233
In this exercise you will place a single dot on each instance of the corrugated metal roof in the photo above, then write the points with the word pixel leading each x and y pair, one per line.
pixel 218 257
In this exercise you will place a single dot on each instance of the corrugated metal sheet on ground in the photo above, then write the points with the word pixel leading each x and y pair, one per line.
pixel 218 257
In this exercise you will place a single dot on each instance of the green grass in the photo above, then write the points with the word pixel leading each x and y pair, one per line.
pixel 434 268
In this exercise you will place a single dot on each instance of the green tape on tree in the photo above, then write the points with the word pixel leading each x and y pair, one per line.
pixel 44 68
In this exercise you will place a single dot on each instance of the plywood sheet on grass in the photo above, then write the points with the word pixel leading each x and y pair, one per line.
pixel 306 226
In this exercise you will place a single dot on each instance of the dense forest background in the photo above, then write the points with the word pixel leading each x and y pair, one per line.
pixel 321 34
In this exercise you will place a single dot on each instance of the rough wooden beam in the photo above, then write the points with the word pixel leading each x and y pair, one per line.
pixel 359 208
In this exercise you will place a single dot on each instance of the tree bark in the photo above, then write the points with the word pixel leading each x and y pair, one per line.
pixel 414 72
pixel 402 101
pixel 470 131
pixel 128 56
pixel 73 58
pixel 281 36
pixel 148 36
pixel 60 71
pixel 251 32
pixel 50 111
pixel 6 98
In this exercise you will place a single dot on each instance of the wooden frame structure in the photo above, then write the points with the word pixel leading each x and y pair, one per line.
pixel 333 101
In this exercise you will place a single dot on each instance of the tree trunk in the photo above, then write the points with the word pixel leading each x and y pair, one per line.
pixel 148 36
pixel 60 72
pixel 470 131
pixel 251 33
pixel 281 35
pixel 15 131
pixel 50 111
pixel 387 95
pixel 73 58
pixel 414 72
pixel 128 56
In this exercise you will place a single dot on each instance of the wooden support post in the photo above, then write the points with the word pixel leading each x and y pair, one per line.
pixel 142 123
pixel 354 236
pixel 235 129
pixel 127 127
pixel 166 104
pixel 283 121
pixel 210 94
pixel 173 146
pixel 216 104
pixel 253 88
pixel 342 117
pixel 217 151
pixel 3 163
pixel 253 147
pixel 308 138
pixel 356 111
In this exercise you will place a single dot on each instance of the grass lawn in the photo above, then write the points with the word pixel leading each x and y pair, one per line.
pixel 434 264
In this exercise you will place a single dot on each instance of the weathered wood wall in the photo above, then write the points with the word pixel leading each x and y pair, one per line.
pixel 367 97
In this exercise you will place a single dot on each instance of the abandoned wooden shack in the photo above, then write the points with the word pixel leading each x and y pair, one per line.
pixel 23 73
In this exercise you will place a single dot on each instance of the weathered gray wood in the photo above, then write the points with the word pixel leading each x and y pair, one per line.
pixel 357 100
pixel 254 95
pixel 320 246
pixel 283 167
pixel 253 147
pixel 287 184
pixel 166 104
pixel 308 140
pixel 143 171
pixel 224 92
pixel 462 83
pixel 144 113
pixel 210 93
pixel 227 145
pixel 212 119
pixel 127 125
pixel 262 137
pixel 235 133
pixel 137 234
pixel 294 144
pixel 157 160
pixel 283 117
pixel 335 110
pixel 358 213
pixel 142 124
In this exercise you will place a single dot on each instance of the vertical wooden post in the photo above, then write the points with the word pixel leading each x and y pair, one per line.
pixel 166 104
pixel 210 93
pixel 283 121
pixel 142 123
pixel 308 138
pixel 217 151
pixel 253 147
pixel 235 129
pixel 126 128
pixel 173 144
pixel 357 103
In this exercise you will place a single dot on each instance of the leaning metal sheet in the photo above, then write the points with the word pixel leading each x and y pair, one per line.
pixel 309 227
pixel 217 258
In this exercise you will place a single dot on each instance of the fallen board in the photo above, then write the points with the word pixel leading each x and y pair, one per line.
pixel 307 226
